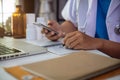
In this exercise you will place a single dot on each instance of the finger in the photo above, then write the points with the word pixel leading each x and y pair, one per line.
pixel 78 47
pixel 50 34
pixel 44 31
pixel 60 34
pixel 75 43
pixel 69 35
pixel 82 47
pixel 53 38
pixel 51 22
pixel 70 40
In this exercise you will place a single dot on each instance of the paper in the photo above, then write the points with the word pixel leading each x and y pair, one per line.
pixel 114 78
pixel 61 50
pixel 5 76
pixel 44 42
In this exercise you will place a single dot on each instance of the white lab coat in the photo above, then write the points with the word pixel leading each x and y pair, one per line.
pixel 112 19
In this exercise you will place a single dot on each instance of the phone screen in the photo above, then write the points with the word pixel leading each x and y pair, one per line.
pixel 44 26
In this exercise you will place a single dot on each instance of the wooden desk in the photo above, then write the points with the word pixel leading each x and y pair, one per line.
pixel 107 75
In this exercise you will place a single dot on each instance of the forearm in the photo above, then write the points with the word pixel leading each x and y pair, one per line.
pixel 110 48
pixel 68 27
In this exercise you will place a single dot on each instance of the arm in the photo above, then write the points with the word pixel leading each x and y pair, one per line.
pixel 68 27
pixel 110 48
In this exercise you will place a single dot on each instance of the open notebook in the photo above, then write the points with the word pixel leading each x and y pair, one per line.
pixel 79 66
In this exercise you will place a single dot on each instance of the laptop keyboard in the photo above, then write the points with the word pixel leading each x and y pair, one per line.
pixel 5 50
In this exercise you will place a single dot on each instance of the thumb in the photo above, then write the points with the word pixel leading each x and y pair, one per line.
pixel 51 22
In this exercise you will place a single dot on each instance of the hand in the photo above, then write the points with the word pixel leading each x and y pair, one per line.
pixel 51 35
pixel 79 40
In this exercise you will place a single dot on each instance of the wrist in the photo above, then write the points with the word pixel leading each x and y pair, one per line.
pixel 100 44
pixel 63 34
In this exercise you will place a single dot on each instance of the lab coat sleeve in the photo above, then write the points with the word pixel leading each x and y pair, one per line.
pixel 69 12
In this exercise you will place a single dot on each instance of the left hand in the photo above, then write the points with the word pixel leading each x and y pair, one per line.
pixel 79 40
pixel 51 34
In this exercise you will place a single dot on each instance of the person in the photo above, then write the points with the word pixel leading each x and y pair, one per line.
pixel 99 30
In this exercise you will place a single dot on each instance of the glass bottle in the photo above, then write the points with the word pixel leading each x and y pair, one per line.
pixel 46 10
pixel 18 23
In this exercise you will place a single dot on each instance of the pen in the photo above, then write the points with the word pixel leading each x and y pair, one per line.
pixel 67 47
pixel 63 45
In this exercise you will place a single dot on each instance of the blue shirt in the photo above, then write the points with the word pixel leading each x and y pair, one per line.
pixel 102 9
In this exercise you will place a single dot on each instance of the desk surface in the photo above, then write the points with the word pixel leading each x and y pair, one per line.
pixel 46 56
pixel 112 75
pixel 115 74
pixel 27 60
pixel 41 57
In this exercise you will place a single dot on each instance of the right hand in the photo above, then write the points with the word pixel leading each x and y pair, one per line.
pixel 51 35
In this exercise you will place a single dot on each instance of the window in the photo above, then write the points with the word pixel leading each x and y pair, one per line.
pixel 60 6
pixel 7 7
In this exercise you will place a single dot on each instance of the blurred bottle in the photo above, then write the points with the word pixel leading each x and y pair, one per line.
pixel 46 10
pixel 18 23
pixel 31 33
pixel 2 32
pixel 40 36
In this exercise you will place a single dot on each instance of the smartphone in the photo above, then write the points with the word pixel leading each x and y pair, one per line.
pixel 44 26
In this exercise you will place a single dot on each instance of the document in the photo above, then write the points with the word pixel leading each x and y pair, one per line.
pixel 61 50
pixel 44 42
pixel 114 78
pixel 57 48
pixel 5 76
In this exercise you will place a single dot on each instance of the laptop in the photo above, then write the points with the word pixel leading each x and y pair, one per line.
pixel 11 48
